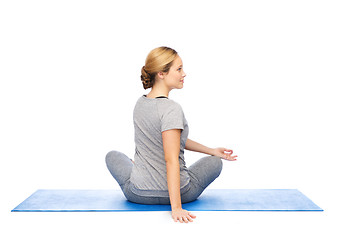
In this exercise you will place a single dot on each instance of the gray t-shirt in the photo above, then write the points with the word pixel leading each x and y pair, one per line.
pixel 151 117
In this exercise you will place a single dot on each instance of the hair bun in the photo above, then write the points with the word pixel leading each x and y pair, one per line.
pixel 146 79
pixel 158 60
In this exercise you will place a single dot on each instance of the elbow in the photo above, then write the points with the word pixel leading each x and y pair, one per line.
pixel 172 163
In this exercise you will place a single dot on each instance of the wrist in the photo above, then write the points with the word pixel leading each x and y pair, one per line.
pixel 212 151
pixel 176 207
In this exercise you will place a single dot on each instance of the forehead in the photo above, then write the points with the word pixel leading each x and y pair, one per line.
pixel 177 61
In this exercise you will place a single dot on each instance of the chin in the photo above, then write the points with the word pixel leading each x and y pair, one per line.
pixel 181 85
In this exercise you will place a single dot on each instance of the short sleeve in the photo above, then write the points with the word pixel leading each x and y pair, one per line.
pixel 172 118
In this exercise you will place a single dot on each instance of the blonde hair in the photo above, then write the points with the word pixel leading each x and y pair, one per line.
pixel 158 60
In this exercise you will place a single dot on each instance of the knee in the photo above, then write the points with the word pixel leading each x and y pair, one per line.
pixel 217 164
pixel 111 156
pixel 114 158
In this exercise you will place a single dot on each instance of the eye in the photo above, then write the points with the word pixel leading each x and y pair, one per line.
pixel 179 69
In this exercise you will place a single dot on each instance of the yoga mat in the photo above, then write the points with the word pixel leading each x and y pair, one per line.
pixel 210 200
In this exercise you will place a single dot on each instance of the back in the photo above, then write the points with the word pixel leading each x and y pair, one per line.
pixel 152 117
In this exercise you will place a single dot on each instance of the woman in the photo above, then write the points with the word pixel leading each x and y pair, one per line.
pixel 158 174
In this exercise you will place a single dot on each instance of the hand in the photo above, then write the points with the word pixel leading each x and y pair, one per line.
pixel 182 215
pixel 224 153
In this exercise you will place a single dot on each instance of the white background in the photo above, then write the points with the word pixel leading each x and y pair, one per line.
pixel 260 80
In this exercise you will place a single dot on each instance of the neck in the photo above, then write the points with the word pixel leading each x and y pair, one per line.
pixel 157 91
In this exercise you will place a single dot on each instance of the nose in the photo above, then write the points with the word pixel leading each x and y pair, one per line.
pixel 184 74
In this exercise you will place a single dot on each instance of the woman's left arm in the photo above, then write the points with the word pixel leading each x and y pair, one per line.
pixel 219 152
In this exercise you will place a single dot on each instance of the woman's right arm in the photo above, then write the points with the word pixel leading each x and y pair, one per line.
pixel 171 145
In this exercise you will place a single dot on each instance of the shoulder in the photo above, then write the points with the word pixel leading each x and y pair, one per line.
pixel 168 109
pixel 168 105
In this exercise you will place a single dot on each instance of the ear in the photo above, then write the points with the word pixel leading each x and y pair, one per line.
pixel 161 75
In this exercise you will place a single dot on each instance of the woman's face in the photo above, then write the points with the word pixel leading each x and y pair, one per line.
pixel 174 78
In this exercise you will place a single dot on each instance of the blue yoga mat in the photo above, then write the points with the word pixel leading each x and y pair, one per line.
pixel 210 200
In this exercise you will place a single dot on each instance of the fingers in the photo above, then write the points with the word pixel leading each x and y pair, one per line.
pixel 229 157
pixel 229 150
pixel 233 158
pixel 187 219
pixel 184 217
pixel 190 216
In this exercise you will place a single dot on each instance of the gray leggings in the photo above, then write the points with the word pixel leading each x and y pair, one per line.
pixel 202 173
